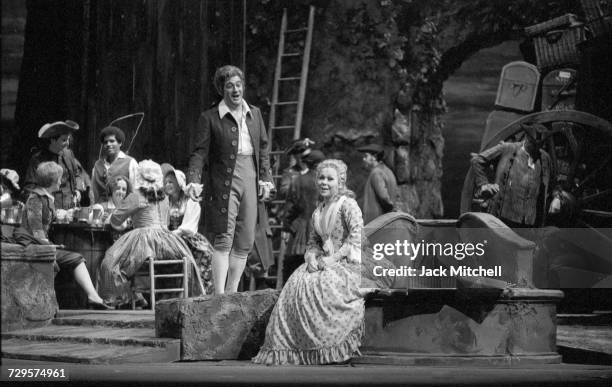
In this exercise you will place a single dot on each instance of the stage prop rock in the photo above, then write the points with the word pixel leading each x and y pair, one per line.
pixel 28 296
pixel 229 326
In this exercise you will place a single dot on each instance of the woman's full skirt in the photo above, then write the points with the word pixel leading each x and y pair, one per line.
pixel 318 318
pixel 129 253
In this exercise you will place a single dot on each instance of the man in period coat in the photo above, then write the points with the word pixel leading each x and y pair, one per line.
pixel 230 166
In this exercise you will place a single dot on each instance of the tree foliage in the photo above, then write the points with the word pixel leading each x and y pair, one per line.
pixel 373 58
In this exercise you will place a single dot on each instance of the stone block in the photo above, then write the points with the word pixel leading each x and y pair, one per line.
pixel 28 296
pixel 217 327
pixel 470 326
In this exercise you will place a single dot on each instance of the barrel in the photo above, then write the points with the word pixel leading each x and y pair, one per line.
pixel 91 243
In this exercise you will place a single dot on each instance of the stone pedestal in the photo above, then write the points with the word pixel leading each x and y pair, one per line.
pixel 465 326
pixel 28 296
pixel 219 327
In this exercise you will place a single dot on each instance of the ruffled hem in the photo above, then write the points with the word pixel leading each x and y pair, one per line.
pixel 339 353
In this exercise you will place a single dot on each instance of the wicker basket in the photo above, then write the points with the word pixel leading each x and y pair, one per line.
pixel 598 15
pixel 555 41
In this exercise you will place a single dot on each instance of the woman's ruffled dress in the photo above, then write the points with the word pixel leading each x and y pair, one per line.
pixel 149 239
pixel 318 318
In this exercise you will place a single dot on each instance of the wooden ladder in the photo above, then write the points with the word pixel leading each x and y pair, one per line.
pixel 287 109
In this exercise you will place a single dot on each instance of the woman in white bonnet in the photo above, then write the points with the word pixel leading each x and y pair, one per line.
pixel 184 221
pixel 148 207
pixel 9 186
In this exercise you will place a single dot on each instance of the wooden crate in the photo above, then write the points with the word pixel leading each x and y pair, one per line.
pixel 555 41
pixel 559 90
pixel 518 86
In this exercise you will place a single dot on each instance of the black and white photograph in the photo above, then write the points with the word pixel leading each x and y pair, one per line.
pixel 306 192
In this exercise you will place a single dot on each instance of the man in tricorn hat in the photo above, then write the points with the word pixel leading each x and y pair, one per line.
pixel 55 138
pixel 380 191
pixel 523 179
pixel 296 151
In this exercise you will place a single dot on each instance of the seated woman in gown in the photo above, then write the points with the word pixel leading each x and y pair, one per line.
pixel 148 207
pixel 318 318
pixel 184 220
pixel 39 213
pixel 117 188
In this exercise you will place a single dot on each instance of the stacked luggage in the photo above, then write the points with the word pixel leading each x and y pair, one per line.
pixel 557 44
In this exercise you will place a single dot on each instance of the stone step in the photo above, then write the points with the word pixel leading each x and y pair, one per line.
pixel 595 318
pixel 107 319
pixel 93 334
pixel 585 344
pixel 87 353
pixel 585 337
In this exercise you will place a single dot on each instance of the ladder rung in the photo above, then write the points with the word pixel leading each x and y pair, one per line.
pixel 296 30
pixel 285 103
pixel 168 275
pixel 283 126
pixel 292 54
pixel 290 79
pixel 172 290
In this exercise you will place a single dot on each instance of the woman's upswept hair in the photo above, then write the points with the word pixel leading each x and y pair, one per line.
pixel 112 184
pixel 150 180
pixel 341 169
pixel 47 173
pixel 223 74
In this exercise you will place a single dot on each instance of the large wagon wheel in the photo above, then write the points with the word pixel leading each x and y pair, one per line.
pixel 581 151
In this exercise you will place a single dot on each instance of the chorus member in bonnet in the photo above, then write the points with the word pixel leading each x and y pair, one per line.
pixel 9 186
pixel 114 162
pixel 150 239
pixel 318 318
pixel 184 220
pixel 232 148
pixel 55 138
